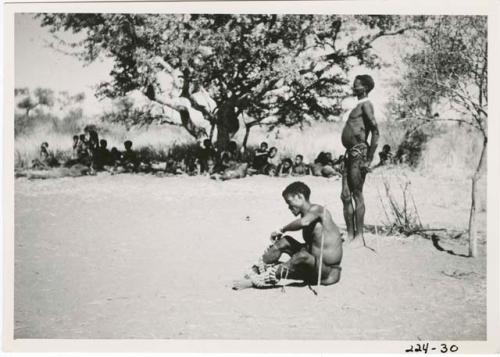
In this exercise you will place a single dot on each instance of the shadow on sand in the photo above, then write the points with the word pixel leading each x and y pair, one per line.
pixel 435 243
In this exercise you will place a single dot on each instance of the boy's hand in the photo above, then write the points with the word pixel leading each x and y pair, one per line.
pixel 276 235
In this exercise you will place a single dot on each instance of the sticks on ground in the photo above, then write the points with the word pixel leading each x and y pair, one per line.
pixel 402 217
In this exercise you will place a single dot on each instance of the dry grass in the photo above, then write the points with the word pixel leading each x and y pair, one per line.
pixel 453 154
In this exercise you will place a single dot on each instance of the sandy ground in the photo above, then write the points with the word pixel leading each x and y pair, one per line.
pixel 146 257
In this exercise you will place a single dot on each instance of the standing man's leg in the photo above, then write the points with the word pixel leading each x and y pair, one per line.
pixel 356 180
pixel 347 202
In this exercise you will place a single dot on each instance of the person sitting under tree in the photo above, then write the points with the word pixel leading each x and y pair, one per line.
pixel 285 168
pixel 260 158
pixel 299 167
pixel 321 250
pixel 358 157
pixel 206 155
pixel 385 156
pixel 130 160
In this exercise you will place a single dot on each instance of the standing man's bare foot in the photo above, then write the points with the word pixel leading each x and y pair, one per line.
pixel 356 242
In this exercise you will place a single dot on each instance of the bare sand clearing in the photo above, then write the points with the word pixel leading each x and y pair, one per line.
pixel 146 257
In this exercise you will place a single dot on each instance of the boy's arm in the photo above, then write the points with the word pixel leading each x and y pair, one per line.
pixel 300 223
pixel 370 122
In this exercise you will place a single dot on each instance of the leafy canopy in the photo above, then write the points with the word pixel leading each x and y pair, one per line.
pixel 286 67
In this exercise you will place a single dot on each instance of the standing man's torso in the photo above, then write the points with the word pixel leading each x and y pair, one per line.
pixel 355 131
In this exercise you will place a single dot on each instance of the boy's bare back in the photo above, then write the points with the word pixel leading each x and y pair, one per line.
pixel 323 226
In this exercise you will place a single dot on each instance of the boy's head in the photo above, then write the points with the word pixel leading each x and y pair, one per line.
pixel 75 138
pixel 298 159
pixel 45 145
pixel 103 143
pixel 296 195
pixel 273 151
pixel 271 170
pixel 287 163
pixel 128 144
pixel 82 137
pixel 386 148
pixel 263 146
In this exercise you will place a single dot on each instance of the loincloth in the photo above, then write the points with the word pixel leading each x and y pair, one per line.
pixel 357 151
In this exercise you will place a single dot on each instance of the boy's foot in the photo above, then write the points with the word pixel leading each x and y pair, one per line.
pixel 242 284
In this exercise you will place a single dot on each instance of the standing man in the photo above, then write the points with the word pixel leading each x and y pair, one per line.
pixel 359 155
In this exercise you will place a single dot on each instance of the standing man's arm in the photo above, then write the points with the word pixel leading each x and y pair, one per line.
pixel 372 126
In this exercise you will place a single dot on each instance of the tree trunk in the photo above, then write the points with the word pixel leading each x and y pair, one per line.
pixel 245 139
pixel 472 217
pixel 227 123
pixel 212 129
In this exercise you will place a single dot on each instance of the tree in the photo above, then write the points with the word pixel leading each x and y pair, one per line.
pixel 283 68
pixel 40 96
pixel 128 114
pixel 66 100
pixel 452 66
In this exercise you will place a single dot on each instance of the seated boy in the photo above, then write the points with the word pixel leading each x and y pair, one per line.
pixel 385 156
pixel 285 168
pixel 299 167
pixel 129 157
pixel 316 225
pixel 260 158
pixel 206 154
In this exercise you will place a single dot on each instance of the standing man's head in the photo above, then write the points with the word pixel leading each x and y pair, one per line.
pixel 103 143
pixel 298 159
pixel 363 84
pixel 296 196
pixel 263 146
pixel 386 148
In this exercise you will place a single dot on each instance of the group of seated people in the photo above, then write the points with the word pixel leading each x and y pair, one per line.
pixel 267 162
pixel 89 151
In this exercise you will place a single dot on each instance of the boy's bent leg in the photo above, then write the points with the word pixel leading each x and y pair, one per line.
pixel 331 276
pixel 272 254
pixel 304 266
pixel 285 244
pixel 301 266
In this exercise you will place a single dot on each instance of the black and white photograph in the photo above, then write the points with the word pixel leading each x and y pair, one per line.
pixel 251 175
